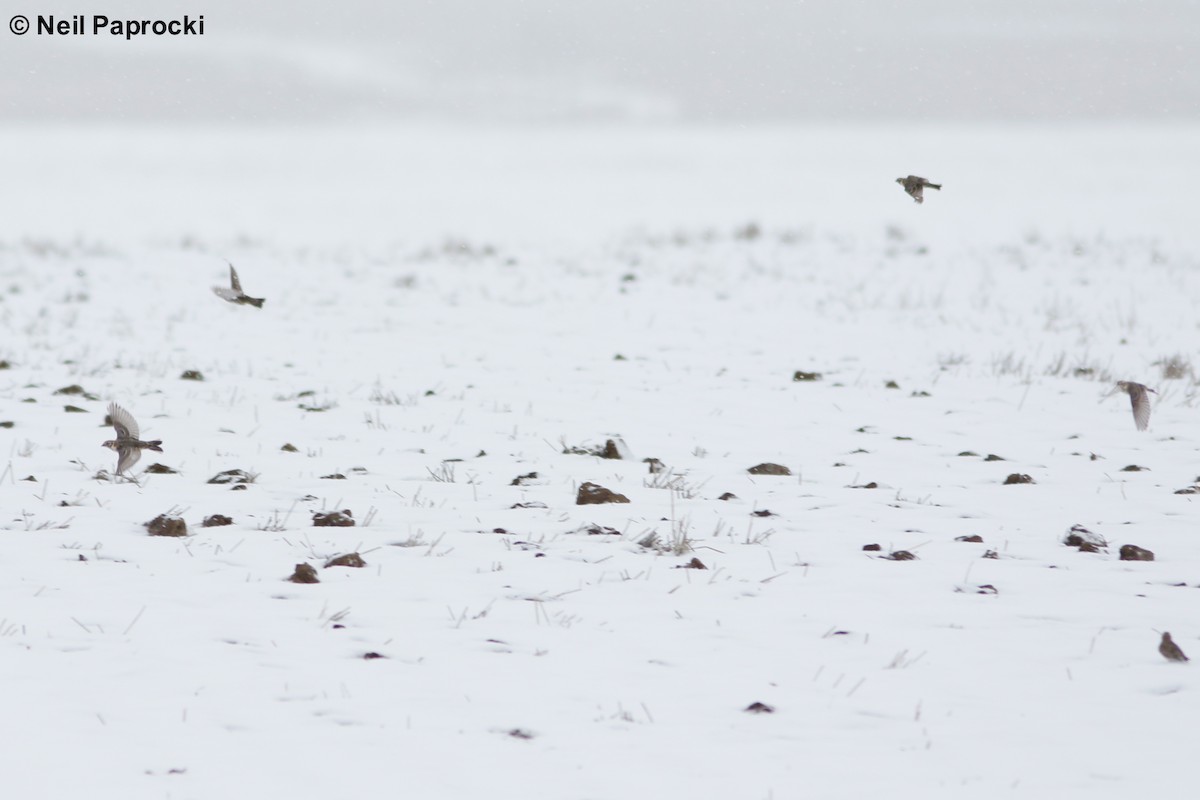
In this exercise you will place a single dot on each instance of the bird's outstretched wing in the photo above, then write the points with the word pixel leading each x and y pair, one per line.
pixel 124 423
pixel 233 280
pixel 225 293
pixel 127 457
pixel 1139 398
pixel 918 193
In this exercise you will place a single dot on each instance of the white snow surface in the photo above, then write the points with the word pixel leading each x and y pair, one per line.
pixel 447 311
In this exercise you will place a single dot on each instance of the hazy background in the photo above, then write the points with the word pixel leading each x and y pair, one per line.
pixel 618 60
pixel 529 122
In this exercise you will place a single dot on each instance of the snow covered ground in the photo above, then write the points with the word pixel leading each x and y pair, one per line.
pixel 448 311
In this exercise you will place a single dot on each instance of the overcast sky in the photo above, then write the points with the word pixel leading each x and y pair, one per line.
pixel 729 61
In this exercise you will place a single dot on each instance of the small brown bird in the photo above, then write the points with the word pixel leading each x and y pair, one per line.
pixel 915 186
pixel 235 294
pixel 127 444
pixel 1170 651
pixel 1139 400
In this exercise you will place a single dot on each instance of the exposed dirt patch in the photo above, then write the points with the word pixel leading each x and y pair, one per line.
pixel 1131 552
pixel 76 390
pixel 233 476
pixel 591 529
pixel 334 519
pixel 1084 539
pixel 767 468
pixel 346 560
pixel 167 525
pixel 305 573
pixel 594 494
pixel 610 450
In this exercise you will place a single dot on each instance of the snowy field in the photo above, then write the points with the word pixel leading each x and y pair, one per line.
pixel 448 313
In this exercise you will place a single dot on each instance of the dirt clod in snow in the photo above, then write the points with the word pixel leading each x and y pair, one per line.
pixel 594 494
pixel 1131 552
pixel 347 560
pixel 334 519
pixel 305 573
pixel 767 468
pixel 167 525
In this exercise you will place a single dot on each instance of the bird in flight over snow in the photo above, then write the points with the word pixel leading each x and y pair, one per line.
pixel 1140 401
pixel 1170 651
pixel 127 444
pixel 915 186
pixel 234 294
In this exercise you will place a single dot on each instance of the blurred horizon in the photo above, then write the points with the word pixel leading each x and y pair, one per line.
pixel 620 61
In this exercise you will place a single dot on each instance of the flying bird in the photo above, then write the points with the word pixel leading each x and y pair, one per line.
pixel 1139 400
pixel 127 444
pixel 1170 651
pixel 915 186
pixel 234 294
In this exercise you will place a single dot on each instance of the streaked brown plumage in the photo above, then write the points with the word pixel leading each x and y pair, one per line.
pixel 234 294
pixel 127 444
pixel 1140 400
pixel 1170 651
pixel 915 186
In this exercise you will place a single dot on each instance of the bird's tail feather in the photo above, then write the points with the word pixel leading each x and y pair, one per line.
pixel 154 445
pixel 256 301
pixel 937 186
